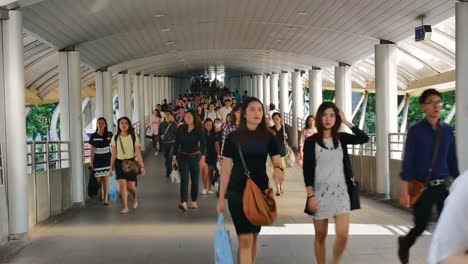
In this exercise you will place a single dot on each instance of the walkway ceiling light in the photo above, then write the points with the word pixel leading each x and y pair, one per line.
pixel 301 13
pixel 159 15
pixel 165 29
pixel 169 42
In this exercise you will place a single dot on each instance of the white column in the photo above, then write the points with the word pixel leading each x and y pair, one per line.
pixel 146 95
pixel 461 26
pixel 260 88
pixel 128 96
pixel 166 90
pixel 297 106
pixel 343 91
pixel 151 105
pixel 141 111
pixel 283 94
pixel 266 91
pixel 387 109
pixel 161 89
pixel 154 82
pixel 315 90
pixel 108 99
pixel 122 99
pixel 99 95
pixel 274 89
pixel 255 86
pixel 136 98
pixel 13 123
pixel 70 118
pixel 249 86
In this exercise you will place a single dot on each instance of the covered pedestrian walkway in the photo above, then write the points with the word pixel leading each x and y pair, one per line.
pixel 114 58
pixel 158 232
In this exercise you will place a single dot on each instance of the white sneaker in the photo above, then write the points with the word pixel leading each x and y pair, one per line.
pixel 156 153
pixel 203 192
pixel 210 192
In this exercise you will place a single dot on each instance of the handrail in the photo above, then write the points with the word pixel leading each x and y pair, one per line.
pixel 44 155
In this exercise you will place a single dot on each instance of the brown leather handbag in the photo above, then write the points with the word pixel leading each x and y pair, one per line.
pixel 417 187
pixel 130 166
pixel 259 206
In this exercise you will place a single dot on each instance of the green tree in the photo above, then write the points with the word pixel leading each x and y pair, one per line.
pixel 35 120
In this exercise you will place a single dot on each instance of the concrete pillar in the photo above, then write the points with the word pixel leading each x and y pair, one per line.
pixel 99 95
pixel 128 96
pixel 283 93
pixel 150 95
pixel 461 28
pixel 108 100
pixel 297 107
pixel 387 109
pixel 260 88
pixel 141 112
pixel 13 123
pixel 274 89
pixel 136 98
pixel 266 91
pixel 166 90
pixel 254 86
pixel 146 96
pixel 71 118
pixel 155 90
pixel 161 89
pixel 249 86
pixel 122 100
pixel 343 91
pixel 315 90
pixel 363 111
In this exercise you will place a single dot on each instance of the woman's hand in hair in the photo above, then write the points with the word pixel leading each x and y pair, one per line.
pixel 344 120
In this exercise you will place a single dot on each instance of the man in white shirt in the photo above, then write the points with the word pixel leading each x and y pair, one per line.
pixel 271 111
pixel 225 110
pixel 450 239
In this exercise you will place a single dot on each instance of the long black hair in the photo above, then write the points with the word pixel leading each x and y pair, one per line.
pixel 197 123
pixel 131 130
pixel 319 124
pixel 97 122
pixel 307 121
pixel 262 130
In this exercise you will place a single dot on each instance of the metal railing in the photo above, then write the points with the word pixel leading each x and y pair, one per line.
pixel 288 119
pixel 396 145
pixel 367 149
pixel 300 124
pixel 47 155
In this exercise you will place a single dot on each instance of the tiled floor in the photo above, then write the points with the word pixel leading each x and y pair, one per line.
pixel 159 233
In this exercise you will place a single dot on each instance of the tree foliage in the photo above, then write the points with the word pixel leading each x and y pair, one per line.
pixel 35 124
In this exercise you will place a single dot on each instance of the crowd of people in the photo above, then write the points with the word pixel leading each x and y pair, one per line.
pixel 205 134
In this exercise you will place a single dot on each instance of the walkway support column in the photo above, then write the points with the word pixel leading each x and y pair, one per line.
pixel 283 94
pixel 250 86
pixel 128 96
pixel 315 90
pixel 71 118
pixel 141 112
pixel 297 107
pixel 255 86
pixel 266 91
pixel 136 98
pixel 274 89
pixel 343 91
pixel 461 28
pixel 146 96
pixel 260 88
pixel 387 109
pixel 108 101
pixel 13 124
pixel 122 100
pixel 99 95
pixel 166 91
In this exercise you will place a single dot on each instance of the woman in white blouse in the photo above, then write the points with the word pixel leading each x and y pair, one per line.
pixel 308 131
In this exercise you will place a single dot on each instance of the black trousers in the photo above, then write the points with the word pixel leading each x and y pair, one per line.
pixel 168 150
pixel 422 211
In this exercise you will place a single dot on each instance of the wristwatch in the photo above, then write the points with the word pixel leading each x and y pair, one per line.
pixel 278 167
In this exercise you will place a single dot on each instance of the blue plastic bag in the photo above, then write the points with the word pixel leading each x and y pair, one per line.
pixel 222 243
pixel 114 188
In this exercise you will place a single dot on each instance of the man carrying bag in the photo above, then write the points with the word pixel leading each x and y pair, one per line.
pixel 430 160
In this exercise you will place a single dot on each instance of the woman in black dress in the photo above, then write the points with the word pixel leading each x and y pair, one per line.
pixel 257 143
pixel 212 152
pixel 281 136
pixel 101 156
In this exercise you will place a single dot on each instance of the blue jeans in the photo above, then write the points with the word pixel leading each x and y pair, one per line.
pixel 189 165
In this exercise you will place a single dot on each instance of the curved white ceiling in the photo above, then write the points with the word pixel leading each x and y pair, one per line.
pixel 114 32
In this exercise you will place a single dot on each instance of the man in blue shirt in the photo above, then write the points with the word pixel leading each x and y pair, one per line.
pixel 418 165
